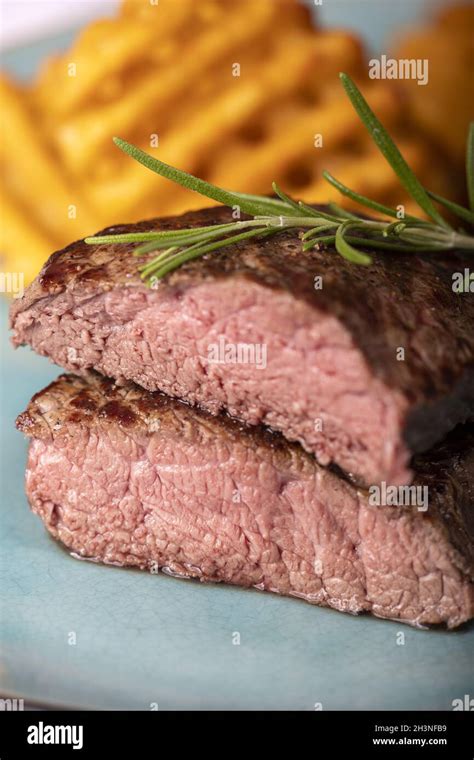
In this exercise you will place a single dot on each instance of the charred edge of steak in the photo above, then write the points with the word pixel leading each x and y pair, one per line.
pixel 82 400
pixel 447 470
pixel 457 408
pixel 401 300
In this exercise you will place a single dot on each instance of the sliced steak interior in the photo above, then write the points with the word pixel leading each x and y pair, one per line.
pixel 133 478
pixel 362 366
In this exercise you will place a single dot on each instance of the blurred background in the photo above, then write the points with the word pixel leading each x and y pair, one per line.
pixel 239 92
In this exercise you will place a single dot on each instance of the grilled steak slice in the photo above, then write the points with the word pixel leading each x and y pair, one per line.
pixel 362 366
pixel 128 477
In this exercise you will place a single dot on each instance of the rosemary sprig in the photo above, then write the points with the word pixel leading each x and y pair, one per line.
pixel 342 229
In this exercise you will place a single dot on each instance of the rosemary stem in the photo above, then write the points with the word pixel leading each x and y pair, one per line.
pixel 466 242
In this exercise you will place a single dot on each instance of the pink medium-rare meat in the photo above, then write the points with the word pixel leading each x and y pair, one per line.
pixel 132 478
pixel 362 366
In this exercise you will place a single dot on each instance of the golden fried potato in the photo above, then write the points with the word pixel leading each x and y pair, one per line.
pixel 94 68
pixel 31 174
pixel 444 107
pixel 81 138
pixel 24 247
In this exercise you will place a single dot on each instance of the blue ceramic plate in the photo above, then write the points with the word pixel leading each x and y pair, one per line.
pixel 146 640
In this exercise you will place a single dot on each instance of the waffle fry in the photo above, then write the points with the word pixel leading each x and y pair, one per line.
pixel 289 150
pixel 84 137
pixel 232 90
pixel 200 131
